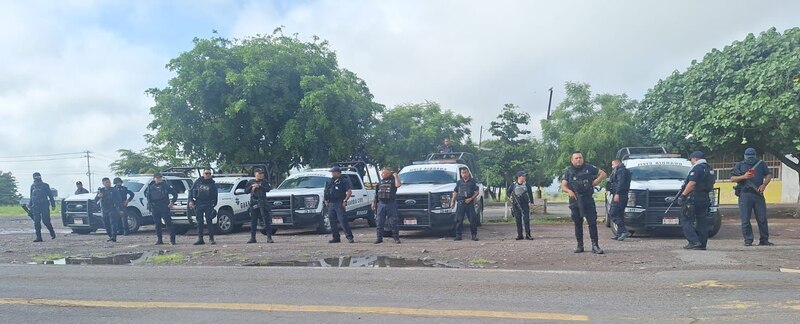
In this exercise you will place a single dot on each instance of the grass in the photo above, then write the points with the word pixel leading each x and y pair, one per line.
pixel 42 258
pixel 234 257
pixel 480 261
pixel 171 258
pixel 537 220
pixel 16 211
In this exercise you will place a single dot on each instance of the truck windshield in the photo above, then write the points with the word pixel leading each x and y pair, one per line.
pixel 658 172
pixel 428 177
pixel 132 186
pixel 303 182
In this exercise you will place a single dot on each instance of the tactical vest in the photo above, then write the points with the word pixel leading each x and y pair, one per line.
pixel 203 192
pixel 261 192
pixel 108 198
pixel 705 183
pixel 385 189
pixel 38 193
pixel 580 180
pixel 335 189
pixel 465 189
pixel 158 192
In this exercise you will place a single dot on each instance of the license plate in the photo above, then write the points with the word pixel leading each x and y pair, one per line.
pixel 78 221
pixel 410 221
pixel 670 221
pixel 277 220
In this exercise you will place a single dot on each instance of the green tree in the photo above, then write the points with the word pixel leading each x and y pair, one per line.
pixel 265 98
pixel 597 125
pixel 511 150
pixel 410 132
pixel 131 162
pixel 9 189
pixel 749 89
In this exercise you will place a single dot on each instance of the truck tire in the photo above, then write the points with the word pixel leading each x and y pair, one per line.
pixel 225 223
pixel 716 225
pixel 82 231
pixel 608 218
pixel 479 212
pixel 324 224
pixel 371 219
pixel 134 219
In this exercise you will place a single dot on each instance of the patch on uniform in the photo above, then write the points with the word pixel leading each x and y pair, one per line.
pixel 691 173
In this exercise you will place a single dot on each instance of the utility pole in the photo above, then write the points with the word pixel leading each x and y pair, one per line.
pixel 480 138
pixel 549 103
pixel 88 168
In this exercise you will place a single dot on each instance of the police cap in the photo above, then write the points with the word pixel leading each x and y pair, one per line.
pixel 696 155
pixel 336 169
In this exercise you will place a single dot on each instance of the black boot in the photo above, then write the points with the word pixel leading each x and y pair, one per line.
pixel 519 236
pixel 269 239
pixel 199 241
pixel 378 240
pixel 38 238
pixel 528 236
pixel 579 248
pixel 211 240
pixel 160 241
pixel 623 236
pixel 457 238
pixel 52 234
pixel 252 239
pixel 172 240
pixel 474 237
pixel 396 240
pixel 596 248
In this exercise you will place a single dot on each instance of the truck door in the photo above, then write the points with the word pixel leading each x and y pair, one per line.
pixel 359 204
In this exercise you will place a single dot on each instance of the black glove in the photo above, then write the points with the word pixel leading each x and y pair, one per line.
pixel 681 200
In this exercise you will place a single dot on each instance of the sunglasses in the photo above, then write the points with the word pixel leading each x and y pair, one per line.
pixel 207 173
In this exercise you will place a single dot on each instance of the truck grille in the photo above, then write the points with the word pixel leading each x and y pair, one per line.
pixel 279 203
pixel 80 206
pixel 657 198
pixel 410 202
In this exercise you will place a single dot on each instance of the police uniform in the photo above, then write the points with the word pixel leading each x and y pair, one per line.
pixel 126 196
pixel 580 180
pixel 259 209
pixel 521 196
pixel 203 196
pixel 335 194
pixel 386 196
pixel 445 148
pixel 111 204
pixel 41 199
pixel 695 220
pixel 158 199
pixel 620 185
pixel 750 198
pixel 463 190
pixel 81 190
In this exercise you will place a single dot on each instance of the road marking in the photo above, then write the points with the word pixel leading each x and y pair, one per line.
pixel 296 308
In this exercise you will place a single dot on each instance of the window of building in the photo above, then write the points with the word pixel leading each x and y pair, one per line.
pixel 723 163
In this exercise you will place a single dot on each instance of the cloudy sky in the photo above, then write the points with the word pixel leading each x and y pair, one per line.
pixel 73 73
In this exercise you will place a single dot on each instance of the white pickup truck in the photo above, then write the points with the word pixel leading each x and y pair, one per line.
pixel 82 214
pixel 232 207
pixel 423 201
pixel 298 202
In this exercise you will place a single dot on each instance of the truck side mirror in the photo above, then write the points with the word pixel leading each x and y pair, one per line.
pixel 239 192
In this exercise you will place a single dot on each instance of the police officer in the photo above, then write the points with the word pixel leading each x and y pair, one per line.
pixel 521 197
pixel 111 204
pixel 126 196
pixel 578 182
pixel 79 189
pixel 40 196
pixel 157 194
pixel 620 184
pixel 696 202
pixel 203 198
pixel 338 190
pixel 446 147
pixel 466 194
pixel 752 177
pixel 259 209
pixel 385 204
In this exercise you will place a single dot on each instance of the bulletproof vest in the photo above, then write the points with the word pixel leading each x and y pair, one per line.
pixel 335 189
pixel 464 189
pixel 385 189
pixel 261 192
pixel 38 194
pixel 705 182
pixel 580 180
pixel 158 192
pixel 520 190
pixel 203 192
pixel 108 197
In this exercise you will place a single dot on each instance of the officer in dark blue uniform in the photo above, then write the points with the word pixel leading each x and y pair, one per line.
pixel 466 194
pixel 259 209
pixel 521 196
pixel 620 181
pixel 385 204
pixel 158 199
pixel 41 197
pixel 752 177
pixel 696 202
pixel 126 196
pixel 203 199
pixel 111 204
pixel 338 190
pixel 445 147
pixel 79 189
pixel 578 182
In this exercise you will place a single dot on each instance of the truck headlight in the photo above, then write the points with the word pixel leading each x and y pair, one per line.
pixel 444 201
pixel 631 198
pixel 311 202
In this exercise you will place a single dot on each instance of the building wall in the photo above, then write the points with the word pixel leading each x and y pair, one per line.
pixel 783 188
pixel 790 186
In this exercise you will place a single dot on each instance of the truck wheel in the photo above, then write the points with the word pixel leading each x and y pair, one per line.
pixel 608 217
pixel 716 226
pixel 324 224
pixel 479 212
pixel 82 231
pixel 134 219
pixel 225 221
pixel 371 219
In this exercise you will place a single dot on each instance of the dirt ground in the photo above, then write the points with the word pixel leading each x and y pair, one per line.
pixel 550 250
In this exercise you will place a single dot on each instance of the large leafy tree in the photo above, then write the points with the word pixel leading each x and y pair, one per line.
pixel 748 89
pixel 132 162
pixel 409 132
pixel 9 190
pixel 265 98
pixel 597 125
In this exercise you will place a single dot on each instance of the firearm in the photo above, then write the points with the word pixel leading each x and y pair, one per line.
pixel 672 200
pixel 515 202
pixel 27 210
pixel 748 183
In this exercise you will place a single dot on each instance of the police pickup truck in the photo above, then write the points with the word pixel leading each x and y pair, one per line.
pixel 656 176
pixel 232 206
pixel 423 201
pixel 82 214
pixel 298 202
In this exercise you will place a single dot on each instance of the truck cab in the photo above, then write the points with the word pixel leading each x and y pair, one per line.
pixel 298 202
pixel 656 177
pixel 83 215
pixel 423 201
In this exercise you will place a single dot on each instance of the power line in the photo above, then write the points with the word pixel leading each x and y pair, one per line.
pixel 40 160
pixel 38 155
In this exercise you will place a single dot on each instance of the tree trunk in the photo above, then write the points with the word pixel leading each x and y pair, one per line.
pixel 796 167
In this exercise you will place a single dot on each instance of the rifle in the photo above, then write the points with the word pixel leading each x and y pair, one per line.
pixel 515 202
pixel 27 210
pixel 748 183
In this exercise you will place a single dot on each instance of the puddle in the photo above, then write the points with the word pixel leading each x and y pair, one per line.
pixel 354 262
pixel 8 231
pixel 117 259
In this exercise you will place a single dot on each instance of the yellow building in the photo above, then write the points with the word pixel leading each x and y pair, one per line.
pixel 783 188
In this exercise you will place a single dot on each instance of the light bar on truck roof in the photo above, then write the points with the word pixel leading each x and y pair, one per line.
pixel 437 162
pixel 651 156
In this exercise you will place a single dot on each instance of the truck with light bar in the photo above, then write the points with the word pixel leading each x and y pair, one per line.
pixel 423 201
pixel 656 177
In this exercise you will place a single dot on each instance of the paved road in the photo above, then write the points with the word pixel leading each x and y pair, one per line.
pixel 128 294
